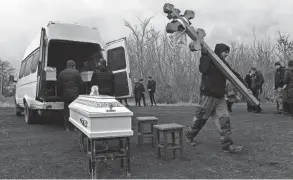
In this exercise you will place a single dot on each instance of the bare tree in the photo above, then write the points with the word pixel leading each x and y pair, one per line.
pixel 284 47
pixel 6 70
pixel 175 67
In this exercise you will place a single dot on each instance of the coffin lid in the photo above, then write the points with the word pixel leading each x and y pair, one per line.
pixel 99 106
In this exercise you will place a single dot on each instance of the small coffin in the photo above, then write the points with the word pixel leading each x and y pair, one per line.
pixel 100 117
pixel 86 76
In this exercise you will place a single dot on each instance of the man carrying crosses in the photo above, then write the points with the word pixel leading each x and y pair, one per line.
pixel 212 100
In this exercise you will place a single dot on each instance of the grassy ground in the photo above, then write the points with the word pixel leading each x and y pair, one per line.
pixel 47 151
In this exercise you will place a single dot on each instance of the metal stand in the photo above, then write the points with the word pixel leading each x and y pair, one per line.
pixel 94 156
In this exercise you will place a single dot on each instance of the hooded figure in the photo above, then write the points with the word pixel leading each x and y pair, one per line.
pixel 213 81
pixel 69 83
pixel 103 77
pixel 212 103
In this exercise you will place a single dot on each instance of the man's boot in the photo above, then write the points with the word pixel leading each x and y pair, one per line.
pixel 232 149
pixel 257 109
pixel 229 104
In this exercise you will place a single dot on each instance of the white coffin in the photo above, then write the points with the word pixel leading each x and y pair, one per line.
pixel 51 74
pixel 86 76
pixel 90 115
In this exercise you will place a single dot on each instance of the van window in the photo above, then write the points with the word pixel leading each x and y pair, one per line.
pixel 21 72
pixel 28 66
pixel 35 61
pixel 116 59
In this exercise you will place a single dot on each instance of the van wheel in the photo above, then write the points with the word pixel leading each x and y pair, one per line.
pixel 30 116
pixel 17 110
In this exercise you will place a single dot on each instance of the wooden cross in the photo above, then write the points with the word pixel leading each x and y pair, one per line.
pixel 182 23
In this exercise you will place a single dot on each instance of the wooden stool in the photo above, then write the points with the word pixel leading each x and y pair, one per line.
pixel 165 129
pixel 141 121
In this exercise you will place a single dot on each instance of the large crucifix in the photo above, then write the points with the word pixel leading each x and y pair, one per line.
pixel 181 23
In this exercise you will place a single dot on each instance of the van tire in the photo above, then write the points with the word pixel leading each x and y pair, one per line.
pixel 18 110
pixel 30 116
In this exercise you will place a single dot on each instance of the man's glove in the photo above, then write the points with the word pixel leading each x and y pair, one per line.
pixel 249 91
pixel 204 50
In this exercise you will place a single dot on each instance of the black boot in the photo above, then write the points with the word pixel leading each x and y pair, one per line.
pixel 257 109
pixel 229 104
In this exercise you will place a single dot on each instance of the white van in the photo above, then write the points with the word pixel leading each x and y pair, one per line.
pixel 46 57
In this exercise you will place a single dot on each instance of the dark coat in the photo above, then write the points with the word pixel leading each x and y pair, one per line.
pixel 152 86
pixel 257 81
pixel 136 89
pixel 213 81
pixel 288 80
pixel 248 81
pixel 103 77
pixel 139 88
pixel 279 77
pixel 69 83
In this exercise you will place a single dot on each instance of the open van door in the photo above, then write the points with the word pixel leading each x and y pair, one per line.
pixel 118 62
pixel 41 80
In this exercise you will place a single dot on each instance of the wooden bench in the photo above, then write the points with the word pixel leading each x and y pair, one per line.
pixel 169 129
pixel 141 134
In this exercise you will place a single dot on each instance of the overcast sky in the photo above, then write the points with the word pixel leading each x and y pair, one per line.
pixel 223 20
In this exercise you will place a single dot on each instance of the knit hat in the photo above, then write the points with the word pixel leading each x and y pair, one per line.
pixel 277 63
pixel 221 48
pixel 70 63
pixel 253 69
pixel 290 63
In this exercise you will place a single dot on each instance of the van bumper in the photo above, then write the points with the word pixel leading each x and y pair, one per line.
pixel 47 105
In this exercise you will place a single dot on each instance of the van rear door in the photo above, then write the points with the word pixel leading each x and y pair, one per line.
pixel 41 77
pixel 118 62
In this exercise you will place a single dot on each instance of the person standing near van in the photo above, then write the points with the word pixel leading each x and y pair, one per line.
pixel 135 92
pixel 68 83
pixel 140 92
pixel 152 90
pixel 103 77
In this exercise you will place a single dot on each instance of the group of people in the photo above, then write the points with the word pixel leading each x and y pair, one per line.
pixel 284 88
pixel 254 81
pixel 139 91
pixel 217 97
pixel 69 85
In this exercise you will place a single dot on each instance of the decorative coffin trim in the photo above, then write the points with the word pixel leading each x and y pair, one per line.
pixel 98 104
pixel 83 122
